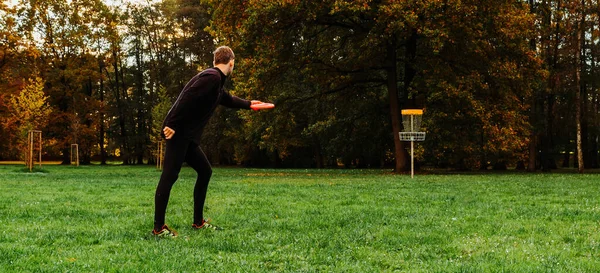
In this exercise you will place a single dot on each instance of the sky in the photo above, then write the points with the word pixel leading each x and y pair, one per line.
pixel 119 2
pixel 10 3
pixel 108 2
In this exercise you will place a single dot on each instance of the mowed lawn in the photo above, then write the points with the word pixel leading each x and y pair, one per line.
pixel 98 219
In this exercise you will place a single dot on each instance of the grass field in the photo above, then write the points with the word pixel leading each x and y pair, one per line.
pixel 98 219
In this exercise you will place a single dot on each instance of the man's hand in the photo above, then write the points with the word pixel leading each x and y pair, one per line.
pixel 253 102
pixel 168 132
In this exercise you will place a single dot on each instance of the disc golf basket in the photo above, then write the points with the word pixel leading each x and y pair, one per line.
pixel 411 119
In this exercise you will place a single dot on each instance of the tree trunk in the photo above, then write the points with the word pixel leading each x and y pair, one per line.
pixel 318 155
pixel 140 140
pixel 593 156
pixel 124 146
pixel 101 139
pixel 532 151
pixel 584 124
pixel 546 138
pixel 578 102
pixel 594 142
pixel 583 87
pixel 392 81
pixel 548 143
pixel 64 107
pixel 596 100
pixel 533 137
pixel 86 148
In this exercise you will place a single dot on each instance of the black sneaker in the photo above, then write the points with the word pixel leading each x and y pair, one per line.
pixel 165 232
pixel 206 225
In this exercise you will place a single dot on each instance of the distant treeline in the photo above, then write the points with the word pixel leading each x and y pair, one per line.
pixel 502 83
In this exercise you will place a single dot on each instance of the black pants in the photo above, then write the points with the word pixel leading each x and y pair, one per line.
pixel 177 151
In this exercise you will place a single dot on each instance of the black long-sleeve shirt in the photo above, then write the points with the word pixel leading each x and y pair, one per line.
pixel 197 103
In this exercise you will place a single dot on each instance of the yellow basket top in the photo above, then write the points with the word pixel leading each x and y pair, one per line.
pixel 412 111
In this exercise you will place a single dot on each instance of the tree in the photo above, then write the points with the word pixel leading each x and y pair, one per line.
pixel 468 63
pixel 17 62
pixel 29 111
pixel 497 79
pixel 63 31
pixel 578 82
pixel 166 44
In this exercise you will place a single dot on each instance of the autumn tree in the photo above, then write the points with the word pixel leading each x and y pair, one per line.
pixel 62 31
pixel 29 110
pixel 17 63
pixel 502 82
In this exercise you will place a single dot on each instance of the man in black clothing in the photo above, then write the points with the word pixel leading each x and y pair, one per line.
pixel 183 128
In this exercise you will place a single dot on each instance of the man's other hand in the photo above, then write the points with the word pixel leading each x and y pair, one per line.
pixel 168 132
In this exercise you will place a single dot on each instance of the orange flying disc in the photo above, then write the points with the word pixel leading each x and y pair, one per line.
pixel 261 106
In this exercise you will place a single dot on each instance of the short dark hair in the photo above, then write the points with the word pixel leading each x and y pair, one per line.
pixel 223 55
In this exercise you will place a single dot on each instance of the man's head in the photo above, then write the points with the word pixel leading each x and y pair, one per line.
pixel 224 58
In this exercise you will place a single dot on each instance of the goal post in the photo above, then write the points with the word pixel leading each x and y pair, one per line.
pixel 160 155
pixel 75 154
pixel 34 149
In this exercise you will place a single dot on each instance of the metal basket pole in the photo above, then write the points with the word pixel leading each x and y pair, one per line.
pixel 412 148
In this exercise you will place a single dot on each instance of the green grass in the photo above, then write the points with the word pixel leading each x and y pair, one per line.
pixel 98 219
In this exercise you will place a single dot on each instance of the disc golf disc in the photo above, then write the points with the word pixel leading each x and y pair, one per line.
pixel 261 106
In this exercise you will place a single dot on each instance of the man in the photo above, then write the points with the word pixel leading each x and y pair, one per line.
pixel 183 128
